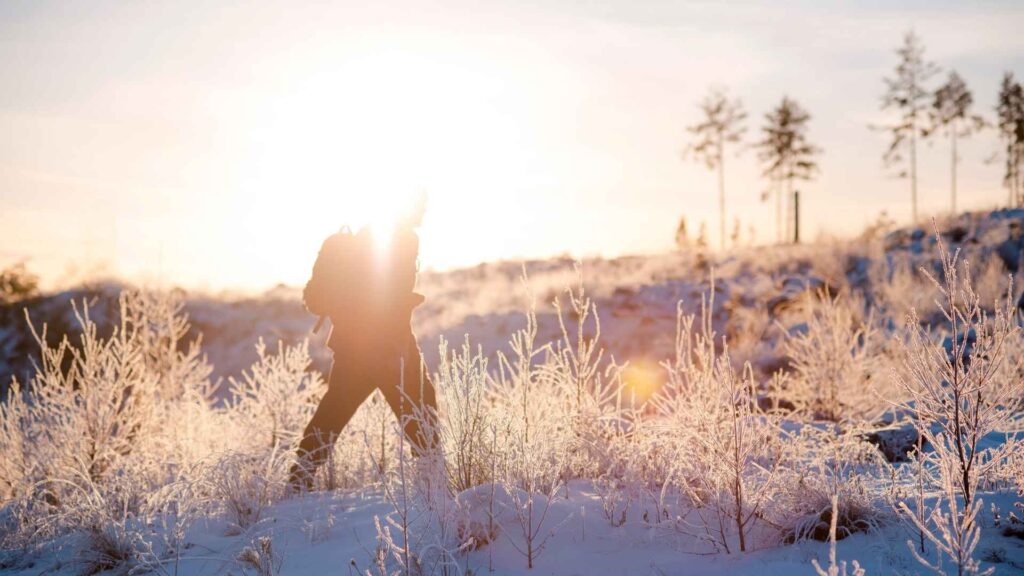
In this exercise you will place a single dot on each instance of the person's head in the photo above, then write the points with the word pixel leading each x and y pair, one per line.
pixel 411 216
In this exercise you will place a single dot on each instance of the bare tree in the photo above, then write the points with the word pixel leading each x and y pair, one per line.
pixel 906 93
pixel 682 239
pixel 702 237
pixel 951 113
pixel 785 153
pixel 736 231
pixel 957 395
pixel 734 444
pixel 1010 113
pixel 722 125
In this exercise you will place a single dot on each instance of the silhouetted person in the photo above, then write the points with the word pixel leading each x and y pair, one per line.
pixel 365 285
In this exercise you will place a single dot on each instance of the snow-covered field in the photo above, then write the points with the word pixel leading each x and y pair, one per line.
pixel 710 422
pixel 334 533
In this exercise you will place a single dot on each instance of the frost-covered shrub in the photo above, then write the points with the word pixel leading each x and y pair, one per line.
pixel 274 400
pixel 990 284
pixel 101 402
pixel 93 403
pixel 616 497
pixel 16 444
pixel 243 485
pixel 421 533
pixel 899 287
pixel 161 326
pixel 830 485
pixel 738 450
pixel 261 557
pixel 463 388
pixel 590 393
pixel 956 402
pixel 834 360
pixel 534 454
pixel 110 545
pixel 751 334
pixel 729 450
pixel 89 444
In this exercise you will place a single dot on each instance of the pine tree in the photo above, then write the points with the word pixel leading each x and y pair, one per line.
pixel 1010 113
pixel 722 125
pixel 682 238
pixel 951 113
pixel 786 153
pixel 906 93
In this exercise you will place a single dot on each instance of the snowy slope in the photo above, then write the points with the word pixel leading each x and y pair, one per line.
pixel 334 533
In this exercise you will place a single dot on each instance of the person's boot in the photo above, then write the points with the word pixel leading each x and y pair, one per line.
pixel 300 480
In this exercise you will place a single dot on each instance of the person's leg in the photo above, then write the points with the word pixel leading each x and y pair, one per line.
pixel 415 401
pixel 344 396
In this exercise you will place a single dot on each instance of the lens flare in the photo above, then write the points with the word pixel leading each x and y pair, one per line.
pixel 642 377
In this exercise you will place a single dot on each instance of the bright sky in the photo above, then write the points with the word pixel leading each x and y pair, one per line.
pixel 215 144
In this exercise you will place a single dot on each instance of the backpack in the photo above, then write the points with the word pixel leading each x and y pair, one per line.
pixel 338 274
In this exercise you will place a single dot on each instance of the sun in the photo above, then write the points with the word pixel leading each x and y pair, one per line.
pixel 357 137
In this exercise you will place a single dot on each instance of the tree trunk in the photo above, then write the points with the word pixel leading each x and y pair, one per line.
pixel 1011 185
pixel 952 137
pixel 1018 182
pixel 721 194
pixel 778 213
pixel 913 170
pixel 788 237
pixel 796 217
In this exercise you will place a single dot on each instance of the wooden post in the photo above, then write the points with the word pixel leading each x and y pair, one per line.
pixel 796 216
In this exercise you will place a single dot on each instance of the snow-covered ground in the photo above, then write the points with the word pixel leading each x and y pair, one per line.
pixel 335 533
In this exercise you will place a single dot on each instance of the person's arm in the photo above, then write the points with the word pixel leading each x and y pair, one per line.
pixel 407 264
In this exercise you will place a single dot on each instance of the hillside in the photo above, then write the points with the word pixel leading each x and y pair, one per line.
pixel 636 296
pixel 719 415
